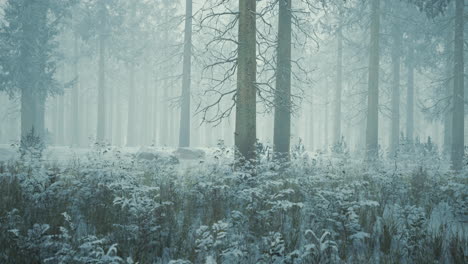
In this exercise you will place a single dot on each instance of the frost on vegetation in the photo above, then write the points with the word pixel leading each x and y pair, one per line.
pixel 114 207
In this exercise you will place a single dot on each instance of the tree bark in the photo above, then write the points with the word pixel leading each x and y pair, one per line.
pixel 282 123
pixel 184 128
pixel 395 132
pixel 101 115
pixel 372 127
pixel 326 116
pixel 339 86
pixel 145 107
pixel 102 101
pixel 458 123
pixel 245 135
pixel 33 92
pixel 410 97
pixel 448 118
pixel 75 94
pixel 311 125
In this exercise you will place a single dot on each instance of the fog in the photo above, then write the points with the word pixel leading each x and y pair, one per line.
pixel 290 84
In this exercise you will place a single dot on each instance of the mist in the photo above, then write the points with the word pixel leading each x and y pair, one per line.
pixel 233 131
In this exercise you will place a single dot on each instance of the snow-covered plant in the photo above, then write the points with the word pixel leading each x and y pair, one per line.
pixel 32 145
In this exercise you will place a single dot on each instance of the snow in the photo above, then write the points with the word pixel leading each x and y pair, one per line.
pixel 137 205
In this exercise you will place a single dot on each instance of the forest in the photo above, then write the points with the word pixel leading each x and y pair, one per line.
pixel 233 131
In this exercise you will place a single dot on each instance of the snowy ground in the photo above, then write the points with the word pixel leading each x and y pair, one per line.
pixel 164 205
pixel 62 155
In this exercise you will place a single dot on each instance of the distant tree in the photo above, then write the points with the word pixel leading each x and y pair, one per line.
pixel 396 65
pixel 28 56
pixel 458 123
pixel 184 130
pixel 283 109
pixel 101 21
pixel 435 8
pixel 373 84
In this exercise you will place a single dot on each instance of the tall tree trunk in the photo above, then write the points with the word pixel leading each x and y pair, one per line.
pixel 448 117
pixel 325 123
pixel 282 125
pixel 164 115
pixel 118 117
pixel 184 129
pixel 101 116
pixel 339 87
pixel 145 107
pixel 311 125
pixel 372 128
pixel 34 61
pixel 75 94
pixel 458 123
pixel 131 124
pixel 61 114
pixel 131 109
pixel 395 134
pixel 410 97
pixel 28 107
pixel 246 110
pixel 110 102
pixel 155 113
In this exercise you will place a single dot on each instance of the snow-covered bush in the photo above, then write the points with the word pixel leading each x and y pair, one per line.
pixel 112 207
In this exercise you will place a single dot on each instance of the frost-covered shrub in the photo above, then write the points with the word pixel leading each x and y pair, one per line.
pixel 111 207
pixel 32 145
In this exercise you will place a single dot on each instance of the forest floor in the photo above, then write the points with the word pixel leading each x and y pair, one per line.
pixel 164 205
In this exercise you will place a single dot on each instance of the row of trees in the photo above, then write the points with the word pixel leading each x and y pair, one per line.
pixel 235 48
pixel 245 122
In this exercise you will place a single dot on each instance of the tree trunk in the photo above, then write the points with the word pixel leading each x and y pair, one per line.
pixel 145 107
pixel 311 125
pixel 325 123
pixel 155 113
pixel 131 109
pixel 75 95
pixel 34 61
pixel 282 125
pixel 395 132
pixel 28 107
pixel 448 118
pixel 61 115
pixel 339 87
pixel 410 97
pixel 164 115
pixel 245 135
pixel 101 115
pixel 184 129
pixel 372 127
pixel 458 123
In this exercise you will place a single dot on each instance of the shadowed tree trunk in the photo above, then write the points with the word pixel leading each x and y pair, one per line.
pixel 184 129
pixel 372 128
pixel 131 122
pixel 395 133
pixel 145 138
pixel 339 86
pixel 246 111
pixel 458 123
pixel 326 116
pixel 33 92
pixel 448 118
pixel 282 125
pixel 75 94
pixel 61 119
pixel 131 114
pixel 101 116
pixel 311 125
pixel 410 97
